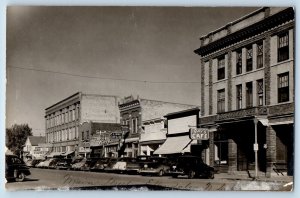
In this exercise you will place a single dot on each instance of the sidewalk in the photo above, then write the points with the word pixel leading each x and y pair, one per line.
pixel 245 177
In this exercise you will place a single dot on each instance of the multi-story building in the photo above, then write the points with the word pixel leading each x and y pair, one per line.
pixel 134 112
pixel 31 144
pixel 64 119
pixel 247 92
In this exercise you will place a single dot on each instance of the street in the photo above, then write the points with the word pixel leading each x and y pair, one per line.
pixel 50 179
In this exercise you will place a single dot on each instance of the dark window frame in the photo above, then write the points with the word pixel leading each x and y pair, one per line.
pixel 221 101
pixel 283 87
pixel 221 68
pixel 249 58
pixel 283 47
pixel 249 94
pixel 260 55
pixel 239 61
pixel 239 96
pixel 260 92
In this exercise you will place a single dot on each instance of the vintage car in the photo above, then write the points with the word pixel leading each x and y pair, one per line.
pixel 88 164
pixel 134 165
pixel 64 164
pixel 156 166
pixel 77 165
pixel 100 164
pixel 112 165
pixel 15 168
pixel 192 166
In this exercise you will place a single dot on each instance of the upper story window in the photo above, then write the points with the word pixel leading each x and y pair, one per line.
pixel 260 92
pixel 134 125
pixel 249 94
pixel 260 55
pixel 283 47
pixel 249 58
pixel 283 87
pixel 239 62
pixel 239 96
pixel 221 68
pixel 221 101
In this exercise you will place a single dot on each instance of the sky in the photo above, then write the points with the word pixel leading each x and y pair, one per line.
pixel 53 52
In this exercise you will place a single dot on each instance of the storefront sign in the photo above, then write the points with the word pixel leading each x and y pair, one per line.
pixel 199 133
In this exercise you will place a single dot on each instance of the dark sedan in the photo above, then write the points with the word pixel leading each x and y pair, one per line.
pixel 15 168
pixel 192 166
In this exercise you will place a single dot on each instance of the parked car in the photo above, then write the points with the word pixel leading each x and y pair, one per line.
pixel 15 168
pixel 193 167
pixel 77 165
pixel 156 166
pixel 40 164
pixel 64 164
pixel 88 164
pixel 100 164
pixel 133 165
pixel 35 162
pixel 111 166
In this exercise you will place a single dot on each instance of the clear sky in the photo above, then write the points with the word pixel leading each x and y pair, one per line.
pixel 53 52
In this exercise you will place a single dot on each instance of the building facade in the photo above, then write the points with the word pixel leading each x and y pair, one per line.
pixel 247 92
pixel 136 111
pixel 64 119
pixel 31 147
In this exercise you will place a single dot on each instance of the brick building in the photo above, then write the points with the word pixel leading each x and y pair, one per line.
pixel 136 111
pixel 247 92
pixel 64 119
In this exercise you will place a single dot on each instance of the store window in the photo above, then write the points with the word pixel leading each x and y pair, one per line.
pixel 260 55
pixel 221 101
pixel 249 58
pixel 221 68
pixel 239 62
pixel 249 94
pixel 283 47
pixel 283 87
pixel 239 96
pixel 260 92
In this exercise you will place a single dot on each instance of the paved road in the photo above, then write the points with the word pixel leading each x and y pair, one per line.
pixel 47 179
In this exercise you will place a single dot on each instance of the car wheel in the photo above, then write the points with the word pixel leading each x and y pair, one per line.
pixel 160 173
pixel 191 174
pixel 211 175
pixel 174 176
pixel 21 177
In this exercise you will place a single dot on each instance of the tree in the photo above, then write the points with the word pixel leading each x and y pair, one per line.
pixel 16 137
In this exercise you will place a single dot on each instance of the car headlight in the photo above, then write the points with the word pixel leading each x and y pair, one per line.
pixel 174 167
pixel 145 166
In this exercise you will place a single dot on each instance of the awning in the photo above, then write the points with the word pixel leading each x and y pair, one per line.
pixel 264 121
pixel 131 140
pixel 282 123
pixel 54 154
pixel 67 153
pixel 174 145
pixel 146 148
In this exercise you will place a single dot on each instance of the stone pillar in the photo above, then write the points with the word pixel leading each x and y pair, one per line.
pixel 203 110
pixel 229 83
pixel 232 156
pixel 271 149
pixel 211 149
pixel 210 88
pixel 267 76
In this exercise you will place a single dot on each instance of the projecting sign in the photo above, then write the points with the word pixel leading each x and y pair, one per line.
pixel 199 134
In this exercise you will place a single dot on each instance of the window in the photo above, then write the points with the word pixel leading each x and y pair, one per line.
pixel 221 101
pixel 283 87
pixel 239 96
pixel 260 54
pixel 260 92
pixel 221 68
pixel 249 57
pixel 239 62
pixel 87 135
pixel 82 135
pixel 134 127
pixel 283 47
pixel 249 94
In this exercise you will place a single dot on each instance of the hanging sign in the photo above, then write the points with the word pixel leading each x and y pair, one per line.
pixel 199 133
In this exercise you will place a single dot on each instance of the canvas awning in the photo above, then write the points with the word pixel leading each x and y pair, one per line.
pixel 54 154
pixel 174 145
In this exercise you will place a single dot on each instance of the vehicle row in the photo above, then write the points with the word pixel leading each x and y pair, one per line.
pixel 192 166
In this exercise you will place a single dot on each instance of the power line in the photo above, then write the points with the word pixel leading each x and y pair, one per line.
pixel 103 78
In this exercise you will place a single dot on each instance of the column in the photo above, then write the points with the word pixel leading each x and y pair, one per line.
pixel 211 148
pixel 229 82
pixel 271 149
pixel 232 156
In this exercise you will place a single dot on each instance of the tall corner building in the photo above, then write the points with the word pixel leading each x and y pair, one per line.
pixel 247 92
pixel 64 118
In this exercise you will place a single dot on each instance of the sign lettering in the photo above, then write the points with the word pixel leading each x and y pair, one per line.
pixel 199 133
